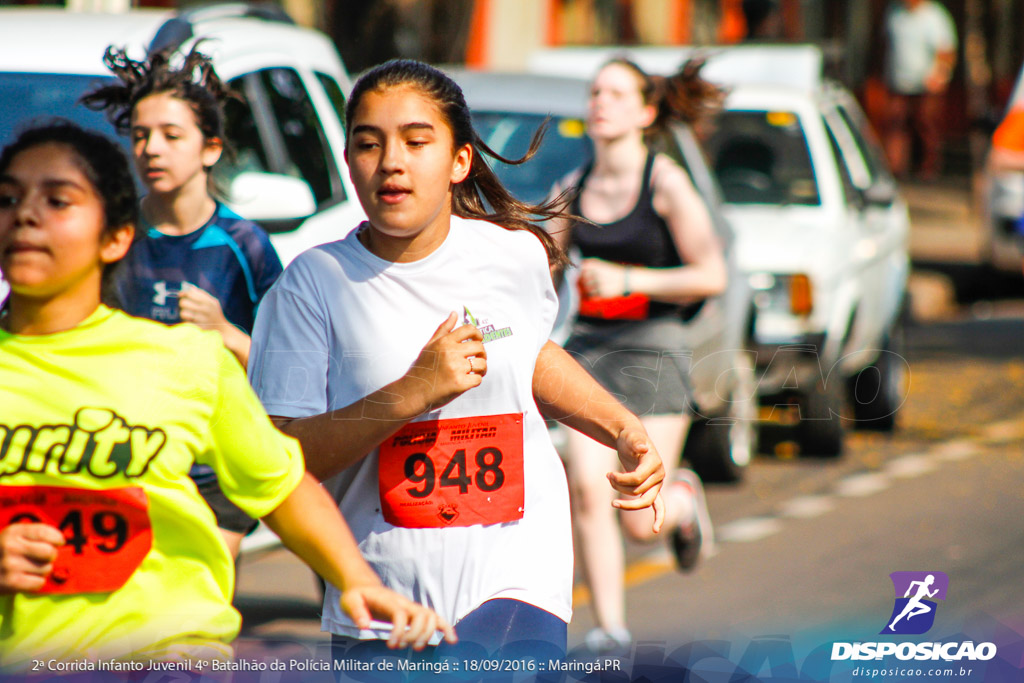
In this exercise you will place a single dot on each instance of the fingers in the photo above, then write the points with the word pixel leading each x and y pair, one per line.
pixel 359 612
pixel 444 328
pixel 27 554
pixel 448 630
pixel 659 513
pixel 639 481
pixel 398 620
pixel 40 532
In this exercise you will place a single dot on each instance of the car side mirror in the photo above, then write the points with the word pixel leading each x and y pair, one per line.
pixel 882 192
pixel 270 196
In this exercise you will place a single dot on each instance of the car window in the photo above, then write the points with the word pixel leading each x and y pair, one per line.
pixel 870 149
pixel 762 157
pixel 334 94
pixel 277 131
pixel 565 147
pixel 849 187
pixel 243 132
pixel 848 150
pixel 30 98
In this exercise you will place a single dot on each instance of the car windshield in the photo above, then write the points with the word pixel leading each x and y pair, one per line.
pixel 565 147
pixel 761 157
pixel 30 98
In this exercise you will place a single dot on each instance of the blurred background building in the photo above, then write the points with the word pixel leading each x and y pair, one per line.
pixel 500 34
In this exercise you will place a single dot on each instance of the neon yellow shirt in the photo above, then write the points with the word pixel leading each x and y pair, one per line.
pixel 123 402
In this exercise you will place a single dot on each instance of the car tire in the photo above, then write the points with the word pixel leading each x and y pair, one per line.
pixel 720 448
pixel 878 391
pixel 820 432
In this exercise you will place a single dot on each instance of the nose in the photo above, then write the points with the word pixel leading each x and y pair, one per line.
pixel 26 211
pixel 392 157
pixel 151 144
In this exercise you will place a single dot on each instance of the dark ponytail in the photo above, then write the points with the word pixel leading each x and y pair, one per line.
pixel 481 195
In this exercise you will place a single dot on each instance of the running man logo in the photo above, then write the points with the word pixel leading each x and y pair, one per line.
pixel 914 612
pixel 488 330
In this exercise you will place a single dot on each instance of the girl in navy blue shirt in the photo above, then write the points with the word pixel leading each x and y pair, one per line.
pixel 195 261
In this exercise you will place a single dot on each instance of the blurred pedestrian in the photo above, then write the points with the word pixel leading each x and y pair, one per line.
pixel 921 44
pixel 106 548
pixel 197 261
pixel 650 257
pixel 442 460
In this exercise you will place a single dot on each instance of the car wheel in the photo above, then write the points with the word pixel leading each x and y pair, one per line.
pixel 878 391
pixel 720 448
pixel 820 432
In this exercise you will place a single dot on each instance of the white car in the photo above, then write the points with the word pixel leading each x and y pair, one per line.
pixel 1004 207
pixel 290 173
pixel 822 234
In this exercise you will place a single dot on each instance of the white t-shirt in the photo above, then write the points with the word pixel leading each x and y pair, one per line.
pixel 341 323
pixel 915 37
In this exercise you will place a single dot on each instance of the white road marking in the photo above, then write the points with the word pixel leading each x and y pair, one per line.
pixel 951 451
pixel 748 530
pixel 910 466
pixel 860 485
pixel 806 507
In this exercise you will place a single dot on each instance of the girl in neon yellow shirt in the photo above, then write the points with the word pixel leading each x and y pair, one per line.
pixel 106 548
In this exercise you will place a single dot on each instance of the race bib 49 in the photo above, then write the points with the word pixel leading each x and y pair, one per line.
pixel 457 472
pixel 107 532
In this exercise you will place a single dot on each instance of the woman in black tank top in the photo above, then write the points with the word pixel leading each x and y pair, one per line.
pixel 648 251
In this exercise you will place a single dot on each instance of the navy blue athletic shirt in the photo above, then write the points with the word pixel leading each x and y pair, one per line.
pixel 229 257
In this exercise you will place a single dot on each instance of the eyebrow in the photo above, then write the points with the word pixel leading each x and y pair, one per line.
pixel 415 125
pixel 48 183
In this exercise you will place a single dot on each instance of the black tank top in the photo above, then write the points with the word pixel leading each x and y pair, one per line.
pixel 641 238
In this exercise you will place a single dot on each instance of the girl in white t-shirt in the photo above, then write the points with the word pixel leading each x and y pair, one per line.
pixel 437 454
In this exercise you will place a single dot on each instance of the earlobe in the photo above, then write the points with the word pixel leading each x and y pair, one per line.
pixel 212 150
pixel 117 244
pixel 650 114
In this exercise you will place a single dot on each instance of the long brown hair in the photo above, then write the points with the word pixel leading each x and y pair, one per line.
pixel 481 195
pixel 684 96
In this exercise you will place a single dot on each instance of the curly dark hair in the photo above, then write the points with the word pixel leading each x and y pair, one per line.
pixel 104 165
pixel 194 82
pixel 481 195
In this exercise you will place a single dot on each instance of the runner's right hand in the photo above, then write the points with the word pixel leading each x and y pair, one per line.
pixel 413 624
pixel 452 362
pixel 27 553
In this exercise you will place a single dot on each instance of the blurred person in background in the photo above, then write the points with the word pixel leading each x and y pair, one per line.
pixel 921 43
pixel 649 256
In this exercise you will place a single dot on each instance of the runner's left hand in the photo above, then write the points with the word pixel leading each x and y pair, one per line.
pixel 642 475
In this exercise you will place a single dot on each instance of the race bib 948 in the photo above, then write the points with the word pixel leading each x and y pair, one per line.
pixel 107 532
pixel 457 472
